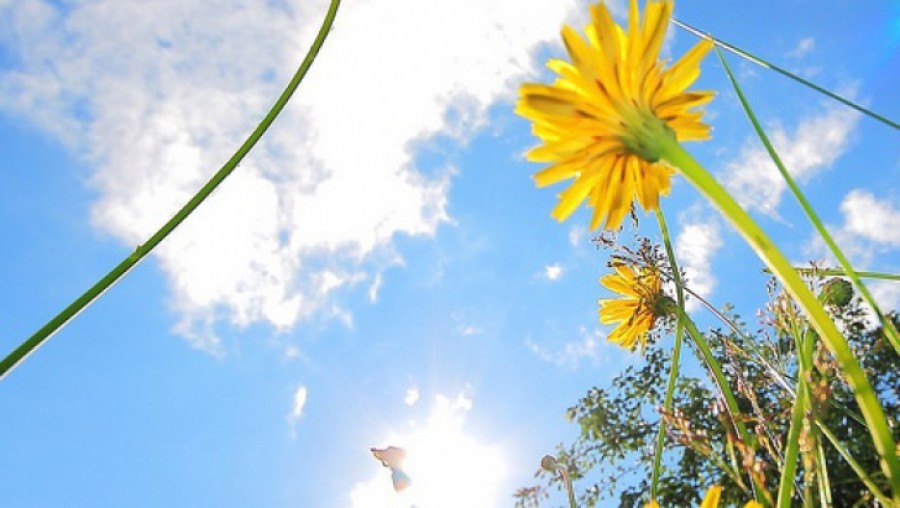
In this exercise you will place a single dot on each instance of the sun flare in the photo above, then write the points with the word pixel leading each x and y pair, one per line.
pixel 447 467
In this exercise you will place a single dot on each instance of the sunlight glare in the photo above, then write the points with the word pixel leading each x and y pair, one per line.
pixel 448 468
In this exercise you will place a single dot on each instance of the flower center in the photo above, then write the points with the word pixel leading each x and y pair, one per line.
pixel 645 133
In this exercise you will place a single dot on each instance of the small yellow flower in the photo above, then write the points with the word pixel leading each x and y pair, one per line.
pixel 599 119
pixel 638 310
pixel 711 500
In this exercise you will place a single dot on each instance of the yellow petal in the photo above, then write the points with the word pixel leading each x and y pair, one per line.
pixel 711 500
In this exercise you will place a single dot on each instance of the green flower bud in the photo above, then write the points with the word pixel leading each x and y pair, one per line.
pixel 837 292
pixel 549 463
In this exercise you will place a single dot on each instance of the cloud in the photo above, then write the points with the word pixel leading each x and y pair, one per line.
pixel 695 247
pixel 817 142
pixel 576 235
pixel 155 96
pixel 571 354
pixel 469 330
pixel 291 352
pixel 886 295
pixel 298 405
pixel 870 218
pixel 803 48
pixel 553 272
pixel 412 395
pixel 867 236
pixel 867 233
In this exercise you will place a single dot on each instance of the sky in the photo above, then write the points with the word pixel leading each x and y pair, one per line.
pixel 380 270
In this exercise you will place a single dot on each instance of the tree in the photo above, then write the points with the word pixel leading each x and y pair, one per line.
pixel 612 456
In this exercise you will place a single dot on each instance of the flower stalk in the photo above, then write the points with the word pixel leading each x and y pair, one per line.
pixel 676 356
pixel 721 382
pixel 886 324
pixel 814 311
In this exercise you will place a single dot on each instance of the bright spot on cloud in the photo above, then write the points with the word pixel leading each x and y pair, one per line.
pixel 299 404
pixel 412 395
pixel 448 468
pixel 816 143
pixel 155 96
pixel 553 272
pixel 695 248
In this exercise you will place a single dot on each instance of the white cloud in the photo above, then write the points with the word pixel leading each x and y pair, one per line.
pixel 376 285
pixel 870 218
pixel 553 272
pixel 868 236
pixel 155 96
pixel 291 352
pixel 299 404
pixel 412 395
pixel 803 48
pixel 576 235
pixel 469 330
pixel 886 295
pixel 817 142
pixel 695 248
pixel 570 354
pixel 868 232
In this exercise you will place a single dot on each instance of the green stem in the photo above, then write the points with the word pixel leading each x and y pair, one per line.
pixel 108 280
pixel 731 403
pixel 886 324
pixel 676 355
pixel 801 406
pixel 854 465
pixel 786 484
pixel 822 476
pixel 868 402
pixel 569 489
pixel 784 72
pixel 838 272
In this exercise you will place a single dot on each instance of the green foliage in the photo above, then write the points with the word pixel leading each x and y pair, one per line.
pixel 613 455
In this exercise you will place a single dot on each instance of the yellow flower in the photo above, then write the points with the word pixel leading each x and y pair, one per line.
pixel 598 120
pixel 711 500
pixel 638 310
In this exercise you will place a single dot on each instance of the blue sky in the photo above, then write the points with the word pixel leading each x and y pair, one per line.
pixel 381 270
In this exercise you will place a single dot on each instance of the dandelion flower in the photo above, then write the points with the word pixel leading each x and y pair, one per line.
pixel 599 120
pixel 711 500
pixel 643 301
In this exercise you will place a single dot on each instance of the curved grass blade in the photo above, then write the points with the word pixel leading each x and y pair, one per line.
pixel 45 332
pixel 784 72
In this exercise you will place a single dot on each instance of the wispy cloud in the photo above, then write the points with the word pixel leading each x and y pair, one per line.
pixel 813 146
pixel 804 46
pixel 299 404
pixel 155 96
pixel 576 235
pixel 571 354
